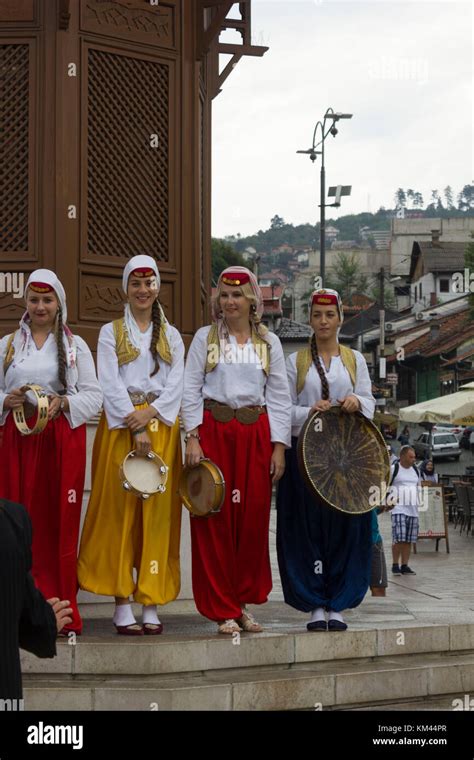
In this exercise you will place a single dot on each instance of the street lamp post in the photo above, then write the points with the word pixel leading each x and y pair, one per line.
pixel 313 153
pixel 382 372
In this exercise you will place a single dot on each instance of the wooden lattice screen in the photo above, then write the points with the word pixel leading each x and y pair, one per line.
pixel 14 148
pixel 127 178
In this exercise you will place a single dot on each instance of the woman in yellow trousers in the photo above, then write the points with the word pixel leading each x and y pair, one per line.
pixel 140 368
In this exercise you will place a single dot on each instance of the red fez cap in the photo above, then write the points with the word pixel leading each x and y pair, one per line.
pixel 143 272
pixel 41 287
pixel 324 299
pixel 235 278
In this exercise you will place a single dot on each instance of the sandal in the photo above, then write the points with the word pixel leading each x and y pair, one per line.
pixel 152 629
pixel 134 629
pixel 229 626
pixel 248 622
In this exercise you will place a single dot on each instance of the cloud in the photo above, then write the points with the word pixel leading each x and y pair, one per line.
pixel 403 70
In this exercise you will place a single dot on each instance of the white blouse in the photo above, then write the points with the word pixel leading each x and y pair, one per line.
pixel 340 386
pixel 239 381
pixel 40 367
pixel 116 381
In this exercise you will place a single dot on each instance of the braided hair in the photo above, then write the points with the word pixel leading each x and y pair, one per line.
pixel 317 364
pixel 156 319
pixel 59 334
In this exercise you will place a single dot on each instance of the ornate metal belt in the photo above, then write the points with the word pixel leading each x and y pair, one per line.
pixel 247 415
pixel 140 397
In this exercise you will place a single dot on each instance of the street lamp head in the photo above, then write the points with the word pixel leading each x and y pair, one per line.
pixel 334 130
pixel 313 154
pixel 337 116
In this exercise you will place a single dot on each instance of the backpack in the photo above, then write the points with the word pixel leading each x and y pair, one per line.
pixel 396 467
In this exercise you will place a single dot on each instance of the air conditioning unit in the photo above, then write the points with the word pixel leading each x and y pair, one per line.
pixel 420 316
pixel 388 327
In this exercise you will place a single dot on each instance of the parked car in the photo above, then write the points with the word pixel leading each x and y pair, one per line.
pixel 464 442
pixel 440 446
pixel 442 427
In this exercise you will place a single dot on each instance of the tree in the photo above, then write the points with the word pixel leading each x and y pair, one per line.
pixel 400 198
pixel 448 196
pixel 223 256
pixel 388 296
pixel 418 200
pixel 466 198
pixel 434 197
pixel 277 222
pixel 346 277
pixel 410 195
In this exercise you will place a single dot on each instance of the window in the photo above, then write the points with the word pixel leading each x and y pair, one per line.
pixel 444 438
pixel 444 286
pixel 421 294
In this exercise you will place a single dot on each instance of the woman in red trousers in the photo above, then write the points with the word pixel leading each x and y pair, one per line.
pixel 235 371
pixel 45 471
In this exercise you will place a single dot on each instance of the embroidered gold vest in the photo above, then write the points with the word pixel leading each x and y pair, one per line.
pixel 10 352
pixel 304 361
pixel 126 351
pixel 261 346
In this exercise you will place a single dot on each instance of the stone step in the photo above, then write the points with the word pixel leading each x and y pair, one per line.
pixel 169 654
pixel 300 686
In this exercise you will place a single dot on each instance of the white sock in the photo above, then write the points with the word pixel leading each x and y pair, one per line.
pixel 335 616
pixel 317 614
pixel 123 615
pixel 149 615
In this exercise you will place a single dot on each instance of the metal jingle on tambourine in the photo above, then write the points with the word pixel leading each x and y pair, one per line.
pixel 144 475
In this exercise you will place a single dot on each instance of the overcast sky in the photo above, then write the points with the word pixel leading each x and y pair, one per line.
pixel 404 69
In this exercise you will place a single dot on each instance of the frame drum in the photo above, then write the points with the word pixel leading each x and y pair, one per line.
pixel 144 475
pixel 202 488
pixel 343 459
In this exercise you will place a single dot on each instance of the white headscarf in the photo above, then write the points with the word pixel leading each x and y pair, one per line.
pixel 329 292
pixel 259 330
pixel 142 261
pixel 50 278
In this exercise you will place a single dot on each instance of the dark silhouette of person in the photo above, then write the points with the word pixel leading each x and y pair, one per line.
pixel 27 619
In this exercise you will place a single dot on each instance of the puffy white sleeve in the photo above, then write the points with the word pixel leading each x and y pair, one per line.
pixel 363 387
pixel 192 408
pixel 277 395
pixel 86 403
pixel 3 395
pixel 299 414
pixel 167 405
pixel 117 404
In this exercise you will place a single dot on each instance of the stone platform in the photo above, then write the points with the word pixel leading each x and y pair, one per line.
pixel 413 649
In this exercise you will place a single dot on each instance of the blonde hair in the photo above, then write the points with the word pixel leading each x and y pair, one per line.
pixel 247 292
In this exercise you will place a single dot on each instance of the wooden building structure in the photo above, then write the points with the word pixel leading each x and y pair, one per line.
pixel 105 147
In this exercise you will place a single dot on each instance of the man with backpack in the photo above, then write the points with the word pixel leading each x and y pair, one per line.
pixel 405 480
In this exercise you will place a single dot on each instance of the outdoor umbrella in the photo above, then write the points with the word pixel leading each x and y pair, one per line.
pixel 455 408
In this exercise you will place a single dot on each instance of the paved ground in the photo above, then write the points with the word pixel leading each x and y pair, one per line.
pixel 441 592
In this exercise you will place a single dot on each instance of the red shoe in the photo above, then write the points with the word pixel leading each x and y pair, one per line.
pixel 152 629
pixel 64 633
pixel 134 629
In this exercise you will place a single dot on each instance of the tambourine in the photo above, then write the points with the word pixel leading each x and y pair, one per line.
pixel 202 488
pixel 144 475
pixel 42 412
